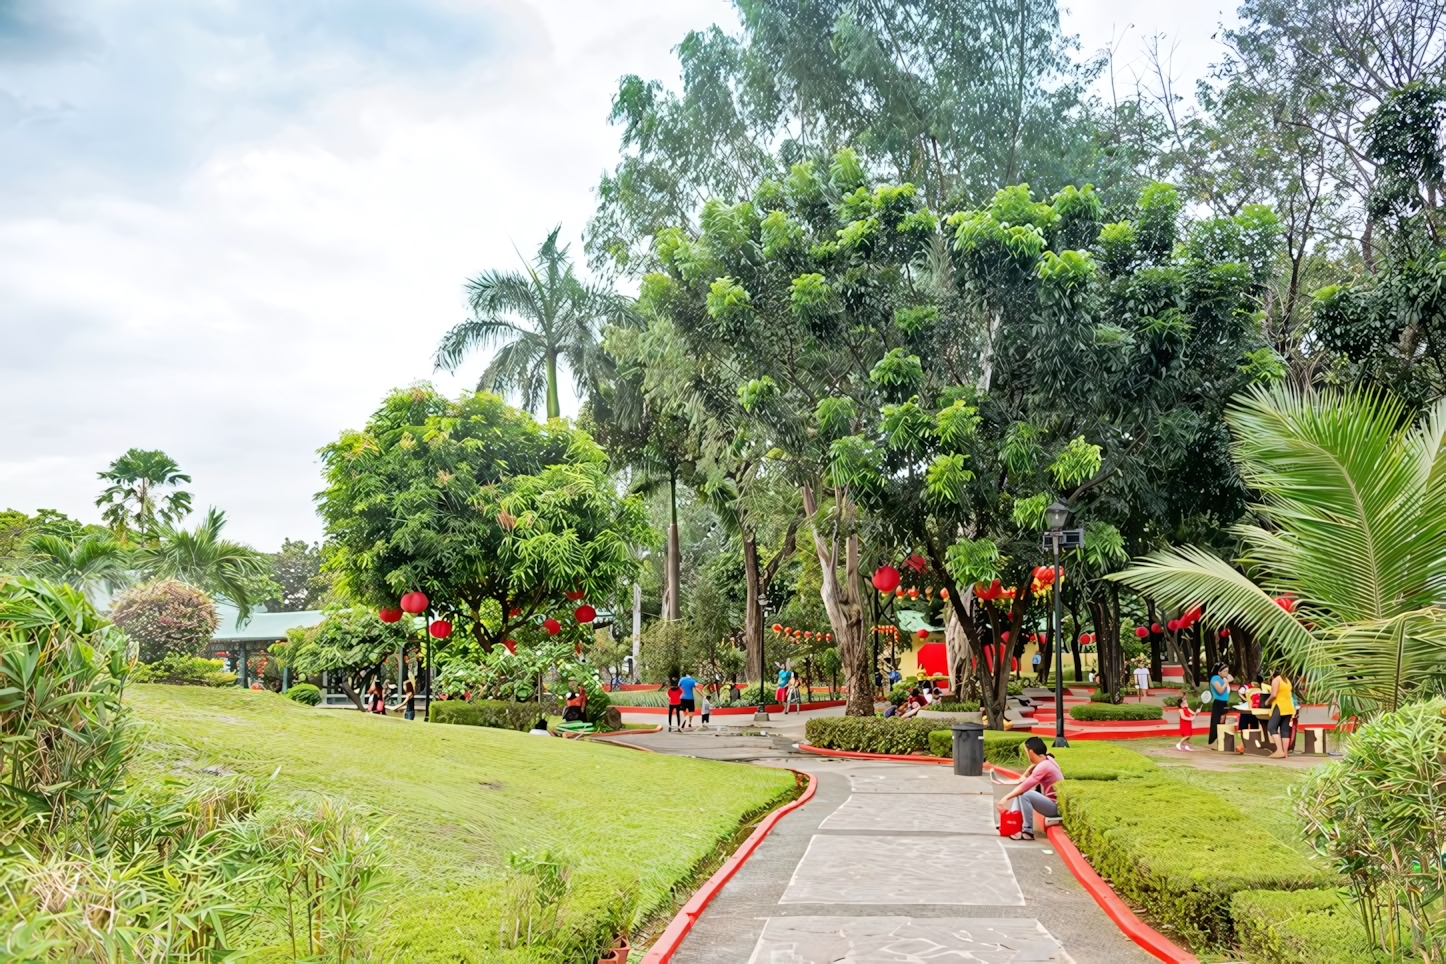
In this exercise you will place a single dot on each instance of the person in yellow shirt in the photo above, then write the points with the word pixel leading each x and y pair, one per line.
pixel 1282 713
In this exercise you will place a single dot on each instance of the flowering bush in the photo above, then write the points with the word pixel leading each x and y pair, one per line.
pixel 165 617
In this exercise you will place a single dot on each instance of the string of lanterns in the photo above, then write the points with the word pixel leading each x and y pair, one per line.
pixel 781 630
pixel 416 603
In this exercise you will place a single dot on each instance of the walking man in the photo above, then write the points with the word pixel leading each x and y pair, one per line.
pixel 688 685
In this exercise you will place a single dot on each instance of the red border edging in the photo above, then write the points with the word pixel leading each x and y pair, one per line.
pixel 735 710
pixel 667 944
pixel 1149 939
pixel 854 755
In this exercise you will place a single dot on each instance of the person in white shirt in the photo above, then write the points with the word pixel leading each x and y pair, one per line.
pixel 1142 681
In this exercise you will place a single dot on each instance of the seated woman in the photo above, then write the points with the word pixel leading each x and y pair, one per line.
pixel 576 708
pixel 1035 791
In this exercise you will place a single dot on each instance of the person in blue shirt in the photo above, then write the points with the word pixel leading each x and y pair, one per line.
pixel 688 684
pixel 784 675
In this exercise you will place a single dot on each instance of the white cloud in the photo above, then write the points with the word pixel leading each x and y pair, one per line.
pixel 227 230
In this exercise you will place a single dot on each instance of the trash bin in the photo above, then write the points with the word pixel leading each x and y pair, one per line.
pixel 968 749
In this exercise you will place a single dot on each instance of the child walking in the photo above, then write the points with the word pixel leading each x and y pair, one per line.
pixel 707 707
pixel 1187 725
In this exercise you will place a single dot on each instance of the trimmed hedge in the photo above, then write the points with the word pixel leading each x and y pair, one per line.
pixel 498 714
pixel 969 706
pixel 1179 852
pixel 304 693
pixel 870 734
pixel 1300 927
pixel 1121 711
pixel 1085 760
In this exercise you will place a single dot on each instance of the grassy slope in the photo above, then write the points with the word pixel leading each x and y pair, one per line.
pixel 461 799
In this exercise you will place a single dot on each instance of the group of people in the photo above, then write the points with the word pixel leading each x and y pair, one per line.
pixel 376 699
pixel 1278 695
pixel 683 699
pixel 918 698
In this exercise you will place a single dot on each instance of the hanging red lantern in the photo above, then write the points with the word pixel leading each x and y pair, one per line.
pixel 585 613
pixel 510 645
pixel 1155 628
pixel 414 602
pixel 944 593
pixel 829 637
pixel 440 628
pixel 917 563
pixel 574 595
pixel 1225 633
pixel 922 633
pixel 513 613
pixel 886 579
pixel 552 626
pixel 1286 602
pixel 389 615
pixel 1141 632
pixel 1173 625
pixel 899 593
pixel 913 593
pixel 1004 635
pixel 777 628
pixel 1084 638
pixel 1092 639
pixel 808 634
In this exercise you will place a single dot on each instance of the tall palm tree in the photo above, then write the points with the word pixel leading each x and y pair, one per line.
pixel 202 557
pixel 132 501
pixel 536 318
pixel 1343 575
pixel 92 563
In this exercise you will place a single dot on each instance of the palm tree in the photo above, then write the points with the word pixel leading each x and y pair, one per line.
pixel 92 563
pixel 203 558
pixel 131 501
pixel 1343 574
pixel 536 317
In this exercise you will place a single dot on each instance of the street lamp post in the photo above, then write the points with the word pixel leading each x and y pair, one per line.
pixel 1055 517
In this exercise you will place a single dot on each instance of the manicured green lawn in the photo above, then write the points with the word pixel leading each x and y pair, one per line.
pixel 461 799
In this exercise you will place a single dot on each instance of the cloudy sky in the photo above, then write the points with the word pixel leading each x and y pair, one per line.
pixel 228 227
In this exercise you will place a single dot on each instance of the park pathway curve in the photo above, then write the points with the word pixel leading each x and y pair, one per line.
pixel 896 863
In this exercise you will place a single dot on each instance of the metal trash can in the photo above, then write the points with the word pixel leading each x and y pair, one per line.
pixel 968 749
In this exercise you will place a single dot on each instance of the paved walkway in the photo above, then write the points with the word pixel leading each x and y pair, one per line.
pixel 890 862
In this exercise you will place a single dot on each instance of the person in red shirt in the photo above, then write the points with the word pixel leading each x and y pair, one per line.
pixel 675 704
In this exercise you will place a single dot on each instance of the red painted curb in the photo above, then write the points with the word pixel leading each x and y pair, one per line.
pixel 667 945
pixel 1149 939
pixel 853 755
pixel 1115 909
pixel 735 710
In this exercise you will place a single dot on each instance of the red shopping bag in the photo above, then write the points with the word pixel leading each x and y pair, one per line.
pixel 1011 822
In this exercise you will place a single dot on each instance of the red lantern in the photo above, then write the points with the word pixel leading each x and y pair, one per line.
pixel 1004 635
pixel 585 613
pixel 829 637
pixel 917 563
pixel 440 628
pixel 922 633
pixel 886 579
pixel 574 595
pixel 414 602
pixel 1173 625
pixel 943 593
pixel 777 628
pixel 1155 628
pixel 808 634
pixel 913 593
pixel 389 615
pixel 510 644
pixel 899 593
pixel 1141 632
pixel 513 613
pixel 1084 638
pixel 1092 639
pixel 1286 602
pixel 552 626
pixel 1225 633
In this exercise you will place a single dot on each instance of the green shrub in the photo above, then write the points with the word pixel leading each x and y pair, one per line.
pixel 1172 700
pixel 899 693
pixel 1003 747
pixel 970 706
pixel 597 707
pixel 165 617
pixel 1084 760
pixel 1100 696
pixel 177 669
pixel 941 743
pixel 304 693
pixel 1179 852
pixel 1122 711
pixel 870 734
pixel 498 714
pixel 1300 927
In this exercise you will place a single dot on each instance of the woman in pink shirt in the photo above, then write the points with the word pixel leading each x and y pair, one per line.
pixel 1035 791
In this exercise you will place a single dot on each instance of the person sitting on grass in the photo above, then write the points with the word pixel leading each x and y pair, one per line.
pixel 1035 791
pixel 575 709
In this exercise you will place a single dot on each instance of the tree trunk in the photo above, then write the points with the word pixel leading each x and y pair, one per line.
pixel 845 607
pixel 752 610
pixel 673 602
pixel 553 409
pixel 1155 659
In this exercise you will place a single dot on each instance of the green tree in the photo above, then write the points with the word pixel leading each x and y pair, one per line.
pixel 204 557
pixel 296 569
pixel 353 646
pixel 534 318
pixel 94 563
pixel 165 618
pixel 495 517
pixel 1352 538
pixel 143 493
